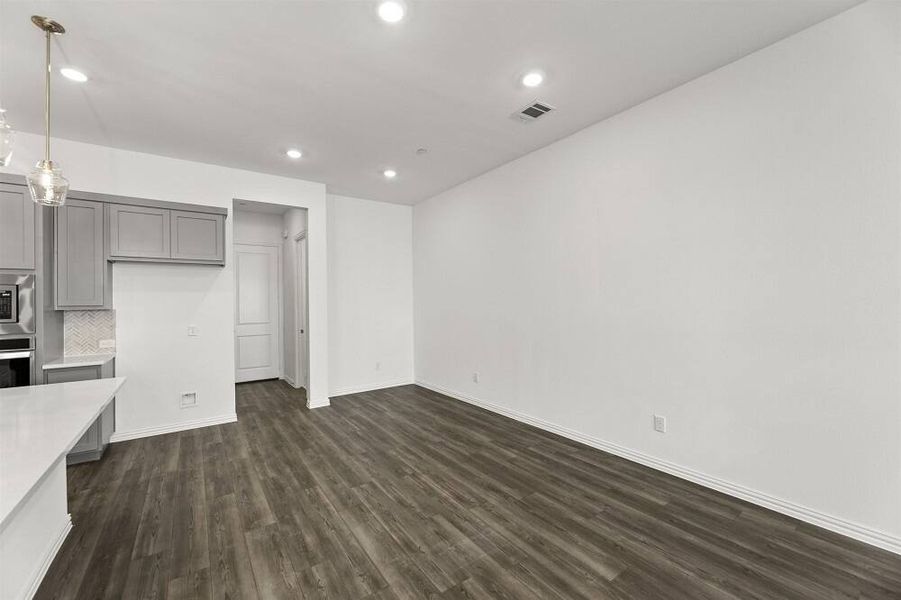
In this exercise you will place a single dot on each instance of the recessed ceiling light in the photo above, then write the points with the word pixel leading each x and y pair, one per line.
pixel 73 74
pixel 532 79
pixel 294 153
pixel 391 11
pixel 389 173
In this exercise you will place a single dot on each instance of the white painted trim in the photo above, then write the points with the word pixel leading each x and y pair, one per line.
pixel 311 404
pixel 263 244
pixel 121 436
pixel 302 308
pixel 356 389
pixel 38 576
pixel 280 334
pixel 859 532
pixel 290 381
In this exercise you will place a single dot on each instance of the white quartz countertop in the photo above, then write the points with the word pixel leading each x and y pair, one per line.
pixel 79 360
pixel 39 424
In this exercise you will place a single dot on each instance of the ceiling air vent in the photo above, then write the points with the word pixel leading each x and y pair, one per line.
pixel 534 111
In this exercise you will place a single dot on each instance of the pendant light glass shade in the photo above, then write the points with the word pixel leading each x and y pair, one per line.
pixel 47 184
pixel 7 136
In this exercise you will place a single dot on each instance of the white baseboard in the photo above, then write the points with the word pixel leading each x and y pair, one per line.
pixel 290 381
pixel 859 532
pixel 38 576
pixel 121 436
pixel 318 403
pixel 356 389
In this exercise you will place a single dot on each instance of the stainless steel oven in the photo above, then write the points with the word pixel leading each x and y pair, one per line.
pixel 16 304
pixel 16 361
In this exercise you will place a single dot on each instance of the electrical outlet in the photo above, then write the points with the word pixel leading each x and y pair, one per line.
pixel 660 423
pixel 105 344
pixel 193 330
pixel 475 377
pixel 188 399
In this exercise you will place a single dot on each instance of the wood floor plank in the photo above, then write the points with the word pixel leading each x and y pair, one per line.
pixel 404 493
pixel 195 585
pixel 189 548
pixel 230 568
pixel 272 568
pixel 154 533
pixel 147 578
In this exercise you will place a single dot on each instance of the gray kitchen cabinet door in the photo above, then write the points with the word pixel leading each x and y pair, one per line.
pixel 16 227
pixel 79 264
pixel 198 236
pixel 94 441
pixel 72 374
pixel 90 441
pixel 138 231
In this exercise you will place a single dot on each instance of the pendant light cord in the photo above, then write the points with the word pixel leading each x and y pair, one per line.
pixel 47 102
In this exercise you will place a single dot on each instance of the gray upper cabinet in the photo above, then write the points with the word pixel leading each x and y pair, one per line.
pixel 80 267
pixel 197 236
pixel 163 234
pixel 138 232
pixel 16 227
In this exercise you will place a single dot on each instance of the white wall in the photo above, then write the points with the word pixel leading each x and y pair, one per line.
pixel 258 228
pixel 154 302
pixel 726 255
pixel 370 294
pixel 294 221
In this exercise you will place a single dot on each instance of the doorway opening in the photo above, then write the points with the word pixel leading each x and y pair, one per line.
pixel 271 293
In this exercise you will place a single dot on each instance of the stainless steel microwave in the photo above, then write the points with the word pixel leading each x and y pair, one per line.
pixel 17 310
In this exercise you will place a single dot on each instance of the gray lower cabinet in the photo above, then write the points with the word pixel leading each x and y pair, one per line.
pixel 81 271
pixel 138 232
pixel 17 213
pixel 93 443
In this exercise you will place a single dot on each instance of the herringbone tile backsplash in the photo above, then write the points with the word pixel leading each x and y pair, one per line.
pixel 83 330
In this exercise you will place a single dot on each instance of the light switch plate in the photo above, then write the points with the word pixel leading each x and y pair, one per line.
pixel 659 424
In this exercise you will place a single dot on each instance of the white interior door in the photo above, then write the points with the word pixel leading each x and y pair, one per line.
pixel 257 324
pixel 302 332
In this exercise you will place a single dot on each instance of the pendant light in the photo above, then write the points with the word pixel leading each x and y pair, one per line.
pixel 6 140
pixel 46 182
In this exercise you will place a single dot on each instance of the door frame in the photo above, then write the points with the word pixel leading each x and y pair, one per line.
pixel 301 308
pixel 312 198
pixel 280 305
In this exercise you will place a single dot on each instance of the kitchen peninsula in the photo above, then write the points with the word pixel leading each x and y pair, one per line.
pixel 38 426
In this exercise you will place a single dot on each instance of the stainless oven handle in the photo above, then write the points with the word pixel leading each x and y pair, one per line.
pixel 11 355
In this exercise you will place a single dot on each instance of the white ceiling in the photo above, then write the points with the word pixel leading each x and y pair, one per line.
pixel 236 83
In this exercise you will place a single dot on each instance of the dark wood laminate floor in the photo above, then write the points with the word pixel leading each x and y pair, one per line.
pixel 404 493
